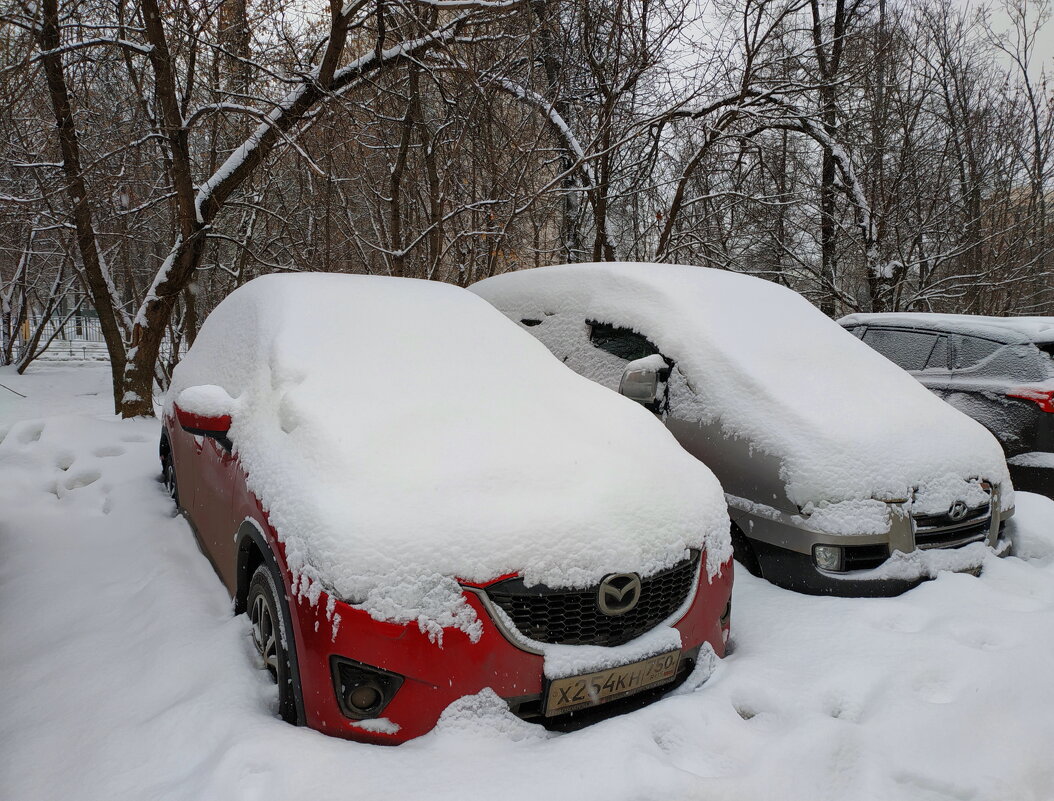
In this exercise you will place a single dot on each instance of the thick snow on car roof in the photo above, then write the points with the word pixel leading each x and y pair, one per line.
pixel 1013 330
pixel 400 433
pixel 770 367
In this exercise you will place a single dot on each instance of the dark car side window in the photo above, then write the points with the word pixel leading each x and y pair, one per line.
pixel 621 342
pixel 908 349
pixel 973 350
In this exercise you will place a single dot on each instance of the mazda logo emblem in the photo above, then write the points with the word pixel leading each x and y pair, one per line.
pixel 619 593
pixel 958 511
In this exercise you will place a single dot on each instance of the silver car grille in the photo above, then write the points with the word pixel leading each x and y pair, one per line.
pixel 943 531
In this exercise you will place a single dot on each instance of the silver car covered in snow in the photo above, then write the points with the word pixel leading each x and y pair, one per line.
pixel 843 475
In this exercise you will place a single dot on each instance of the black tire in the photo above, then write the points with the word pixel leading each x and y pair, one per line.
pixel 744 552
pixel 272 636
pixel 168 472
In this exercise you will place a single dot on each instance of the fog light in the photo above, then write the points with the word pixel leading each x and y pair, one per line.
pixel 363 698
pixel 362 691
pixel 827 557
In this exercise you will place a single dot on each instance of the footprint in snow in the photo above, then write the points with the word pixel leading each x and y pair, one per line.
pixel 745 711
pixel 108 450
pixel 82 479
pixel 30 433
pixel 842 706
pixel 64 460
pixel 669 737
pixel 749 702
pixel 133 438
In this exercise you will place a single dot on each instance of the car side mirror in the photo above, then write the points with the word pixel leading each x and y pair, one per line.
pixel 642 379
pixel 204 410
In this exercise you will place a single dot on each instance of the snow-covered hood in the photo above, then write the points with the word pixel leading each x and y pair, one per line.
pixel 845 423
pixel 401 433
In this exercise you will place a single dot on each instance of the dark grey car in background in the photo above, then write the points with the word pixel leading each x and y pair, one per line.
pixel 998 370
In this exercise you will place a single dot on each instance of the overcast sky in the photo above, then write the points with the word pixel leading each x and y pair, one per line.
pixel 1043 57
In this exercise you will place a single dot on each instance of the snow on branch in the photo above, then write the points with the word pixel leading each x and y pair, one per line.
pixel 20 200
pixel 218 107
pixel 291 109
pixel 547 108
pixel 853 190
pixel 134 47
pixel 465 4
pixel 161 277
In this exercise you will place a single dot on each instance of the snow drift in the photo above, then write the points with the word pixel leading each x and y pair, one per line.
pixel 126 677
pixel 401 433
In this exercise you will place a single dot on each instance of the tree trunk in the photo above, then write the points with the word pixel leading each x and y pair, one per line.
pixel 149 329
pixel 94 271
pixel 552 55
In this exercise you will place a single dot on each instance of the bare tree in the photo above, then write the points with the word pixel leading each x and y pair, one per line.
pixel 872 155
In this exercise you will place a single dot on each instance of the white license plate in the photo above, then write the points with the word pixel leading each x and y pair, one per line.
pixel 593 689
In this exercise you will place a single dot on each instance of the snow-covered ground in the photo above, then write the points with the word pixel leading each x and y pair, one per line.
pixel 125 676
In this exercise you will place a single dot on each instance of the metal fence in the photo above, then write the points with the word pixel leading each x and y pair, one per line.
pixel 85 329
pixel 78 339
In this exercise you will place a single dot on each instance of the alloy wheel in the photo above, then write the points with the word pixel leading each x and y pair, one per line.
pixel 263 631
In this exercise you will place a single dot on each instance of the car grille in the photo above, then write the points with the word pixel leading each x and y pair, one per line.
pixel 940 531
pixel 572 617
pixel 865 557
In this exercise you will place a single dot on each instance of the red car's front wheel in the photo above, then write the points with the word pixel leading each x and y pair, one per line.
pixel 272 637
pixel 168 470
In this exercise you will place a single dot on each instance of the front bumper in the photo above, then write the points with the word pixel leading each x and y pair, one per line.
pixel 796 571
pixel 783 547
pixel 436 674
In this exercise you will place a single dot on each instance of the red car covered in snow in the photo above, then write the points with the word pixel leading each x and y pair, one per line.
pixel 413 501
